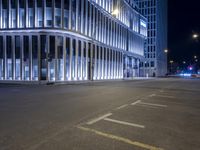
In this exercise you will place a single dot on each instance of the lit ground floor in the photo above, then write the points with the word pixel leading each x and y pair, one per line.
pixel 50 56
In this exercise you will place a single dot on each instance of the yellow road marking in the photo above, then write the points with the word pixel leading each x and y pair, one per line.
pixel 118 138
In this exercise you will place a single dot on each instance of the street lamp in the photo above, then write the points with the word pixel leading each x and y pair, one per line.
pixel 171 62
pixel 166 50
pixel 195 36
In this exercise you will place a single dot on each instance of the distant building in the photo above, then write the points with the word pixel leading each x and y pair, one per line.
pixel 70 40
pixel 155 62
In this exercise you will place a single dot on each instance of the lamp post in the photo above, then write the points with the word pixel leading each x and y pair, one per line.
pixel 171 62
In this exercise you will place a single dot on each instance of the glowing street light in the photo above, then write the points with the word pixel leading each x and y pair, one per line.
pixel 195 36
pixel 195 57
pixel 115 12
pixel 171 62
pixel 166 50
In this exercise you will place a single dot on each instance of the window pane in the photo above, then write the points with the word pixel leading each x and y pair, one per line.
pixel 1 58
pixel 35 57
pixel 9 57
pixel 17 58
pixel 26 58
pixel 66 13
pixel 67 57
pixel 60 57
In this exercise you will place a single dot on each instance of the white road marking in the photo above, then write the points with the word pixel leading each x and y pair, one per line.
pixel 120 107
pixel 165 96
pixel 151 104
pixel 98 119
pixel 148 106
pixel 120 139
pixel 152 95
pixel 136 102
pixel 124 123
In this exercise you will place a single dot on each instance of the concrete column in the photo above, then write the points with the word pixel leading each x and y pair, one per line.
pixel 64 57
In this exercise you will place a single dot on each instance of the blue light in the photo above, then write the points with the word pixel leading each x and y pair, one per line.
pixel 185 74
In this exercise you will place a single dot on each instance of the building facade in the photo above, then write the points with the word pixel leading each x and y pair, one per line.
pixel 70 40
pixel 155 62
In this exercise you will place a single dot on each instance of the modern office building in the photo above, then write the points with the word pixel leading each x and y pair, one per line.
pixel 155 62
pixel 69 40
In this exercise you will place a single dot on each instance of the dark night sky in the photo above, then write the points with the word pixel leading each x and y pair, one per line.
pixel 183 20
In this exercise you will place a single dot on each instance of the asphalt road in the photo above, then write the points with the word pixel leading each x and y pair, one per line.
pixel 123 115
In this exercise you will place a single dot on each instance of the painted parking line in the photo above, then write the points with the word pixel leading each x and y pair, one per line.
pixel 152 95
pixel 120 107
pixel 120 139
pixel 134 103
pixel 124 123
pixel 98 119
pixel 165 96
pixel 152 104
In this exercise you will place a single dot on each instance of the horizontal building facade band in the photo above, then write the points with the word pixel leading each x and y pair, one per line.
pixel 66 40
